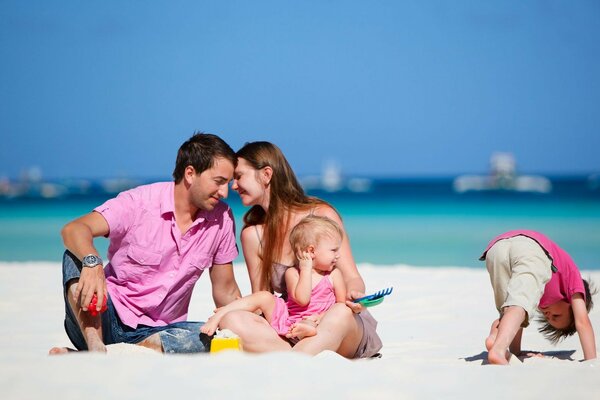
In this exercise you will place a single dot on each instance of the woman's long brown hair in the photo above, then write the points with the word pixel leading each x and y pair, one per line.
pixel 286 195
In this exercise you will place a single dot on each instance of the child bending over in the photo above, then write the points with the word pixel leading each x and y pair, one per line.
pixel 313 287
pixel 529 271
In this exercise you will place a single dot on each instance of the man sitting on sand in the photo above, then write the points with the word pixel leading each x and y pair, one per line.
pixel 162 237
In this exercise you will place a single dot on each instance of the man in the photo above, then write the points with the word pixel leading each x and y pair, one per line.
pixel 162 237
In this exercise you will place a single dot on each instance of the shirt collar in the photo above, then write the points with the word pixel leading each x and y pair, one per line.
pixel 167 205
pixel 167 201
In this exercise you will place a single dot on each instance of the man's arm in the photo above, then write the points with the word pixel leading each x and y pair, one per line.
pixel 78 236
pixel 224 287
pixel 583 326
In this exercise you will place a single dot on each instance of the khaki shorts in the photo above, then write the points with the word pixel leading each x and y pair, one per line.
pixel 519 270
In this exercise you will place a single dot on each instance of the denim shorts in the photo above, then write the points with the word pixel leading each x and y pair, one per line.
pixel 180 337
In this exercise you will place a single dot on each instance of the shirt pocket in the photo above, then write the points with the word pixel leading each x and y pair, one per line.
pixel 198 264
pixel 142 262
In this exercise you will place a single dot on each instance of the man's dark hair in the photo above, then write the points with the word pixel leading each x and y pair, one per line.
pixel 554 335
pixel 200 152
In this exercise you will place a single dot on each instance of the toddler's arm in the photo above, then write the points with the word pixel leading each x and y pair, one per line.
pixel 299 283
pixel 583 326
pixel 339 286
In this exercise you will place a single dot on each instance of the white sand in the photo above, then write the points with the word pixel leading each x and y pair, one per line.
pixel 433 327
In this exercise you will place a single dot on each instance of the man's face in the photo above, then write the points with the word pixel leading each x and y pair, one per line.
pixel 208 187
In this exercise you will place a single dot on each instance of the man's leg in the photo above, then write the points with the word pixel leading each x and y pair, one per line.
pixel 90 326
pixel 84 330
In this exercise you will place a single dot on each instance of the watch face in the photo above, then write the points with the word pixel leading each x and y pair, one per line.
pixel 91 260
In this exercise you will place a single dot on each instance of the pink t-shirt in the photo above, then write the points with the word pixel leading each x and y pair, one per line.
pixel 566 278
pixel 153 267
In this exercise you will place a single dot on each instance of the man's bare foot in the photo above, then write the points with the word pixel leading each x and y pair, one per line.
pixel 60 350
pixel 302 329
pixel 489 341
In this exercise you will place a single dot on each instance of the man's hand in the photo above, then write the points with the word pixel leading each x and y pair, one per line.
pixel 92 281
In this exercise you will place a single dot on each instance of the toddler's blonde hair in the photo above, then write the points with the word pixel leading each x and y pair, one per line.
pixel 313 228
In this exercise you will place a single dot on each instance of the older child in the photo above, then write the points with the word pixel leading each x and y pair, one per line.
pixel 528 271
pixel 313 287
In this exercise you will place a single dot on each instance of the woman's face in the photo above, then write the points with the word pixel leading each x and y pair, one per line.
pixel 246 183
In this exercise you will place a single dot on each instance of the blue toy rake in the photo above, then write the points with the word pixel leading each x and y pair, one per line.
pixel 375 298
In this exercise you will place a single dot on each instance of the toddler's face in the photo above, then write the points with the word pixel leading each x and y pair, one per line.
pixel 327 253
pixel 558 314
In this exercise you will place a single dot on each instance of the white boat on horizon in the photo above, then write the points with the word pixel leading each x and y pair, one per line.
pixel 502 177
pixel 331 180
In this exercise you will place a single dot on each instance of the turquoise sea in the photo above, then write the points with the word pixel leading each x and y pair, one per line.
pixel 419 222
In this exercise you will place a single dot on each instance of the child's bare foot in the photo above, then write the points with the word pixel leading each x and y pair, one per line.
pixel 489 341
pixel 210 326
pixel 302 329
pixel 498 357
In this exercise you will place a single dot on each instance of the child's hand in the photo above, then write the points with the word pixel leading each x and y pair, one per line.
pixel 531 354
pixel 305 259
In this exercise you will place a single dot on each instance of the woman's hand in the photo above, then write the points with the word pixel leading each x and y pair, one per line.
pixel 356 308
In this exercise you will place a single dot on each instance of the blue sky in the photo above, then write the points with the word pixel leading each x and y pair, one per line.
pixel 385 88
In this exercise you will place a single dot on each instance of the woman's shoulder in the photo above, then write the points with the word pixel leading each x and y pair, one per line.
pixel 326 210
pixel 251 234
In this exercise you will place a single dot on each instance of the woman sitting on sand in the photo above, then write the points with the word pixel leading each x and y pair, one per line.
pixel 265 181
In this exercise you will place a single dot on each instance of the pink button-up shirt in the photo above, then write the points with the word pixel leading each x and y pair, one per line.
pixel 153 267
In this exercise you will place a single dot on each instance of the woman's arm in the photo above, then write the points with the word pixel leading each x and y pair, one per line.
pixel 251 250
pixel 583 326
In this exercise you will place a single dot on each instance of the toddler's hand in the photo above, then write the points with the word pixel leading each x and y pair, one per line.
pixel 304 259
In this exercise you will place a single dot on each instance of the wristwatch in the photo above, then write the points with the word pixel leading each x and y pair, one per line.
pixel 91 260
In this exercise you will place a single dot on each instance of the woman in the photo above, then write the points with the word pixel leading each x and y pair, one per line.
pixel 265 181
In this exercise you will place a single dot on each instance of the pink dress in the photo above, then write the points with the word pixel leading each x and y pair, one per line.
pixel 286 313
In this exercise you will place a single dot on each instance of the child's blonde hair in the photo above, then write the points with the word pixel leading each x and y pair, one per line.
pixel 311 229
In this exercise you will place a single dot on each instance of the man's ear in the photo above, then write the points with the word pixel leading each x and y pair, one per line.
pixel 189 174
pixel 267 174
